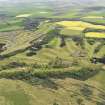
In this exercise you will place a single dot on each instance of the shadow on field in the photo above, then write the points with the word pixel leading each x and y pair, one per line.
pixel 45 83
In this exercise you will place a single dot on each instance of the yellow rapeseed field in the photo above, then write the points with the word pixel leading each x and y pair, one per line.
pixel 79 25
pixel 75 28
pixel 23 15
pixel 95 34
pixel 94 17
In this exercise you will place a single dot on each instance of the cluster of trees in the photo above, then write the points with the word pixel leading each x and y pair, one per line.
pixel 98 60
pixel 34 47
pixel 2 48
pixel 37 45
pixel 12 65
pixel 59 63
pixel 27 74
pixel 30 24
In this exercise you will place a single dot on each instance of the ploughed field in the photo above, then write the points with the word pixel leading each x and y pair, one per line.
pixel 54 63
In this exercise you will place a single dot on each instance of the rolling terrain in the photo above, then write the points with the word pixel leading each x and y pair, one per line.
pixel 52 54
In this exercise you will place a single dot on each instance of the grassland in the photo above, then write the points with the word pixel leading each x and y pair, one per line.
pixel 52 64
pixel 31 95
pixel 52 55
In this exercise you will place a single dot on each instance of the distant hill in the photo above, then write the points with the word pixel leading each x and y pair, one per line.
pixel 58 6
